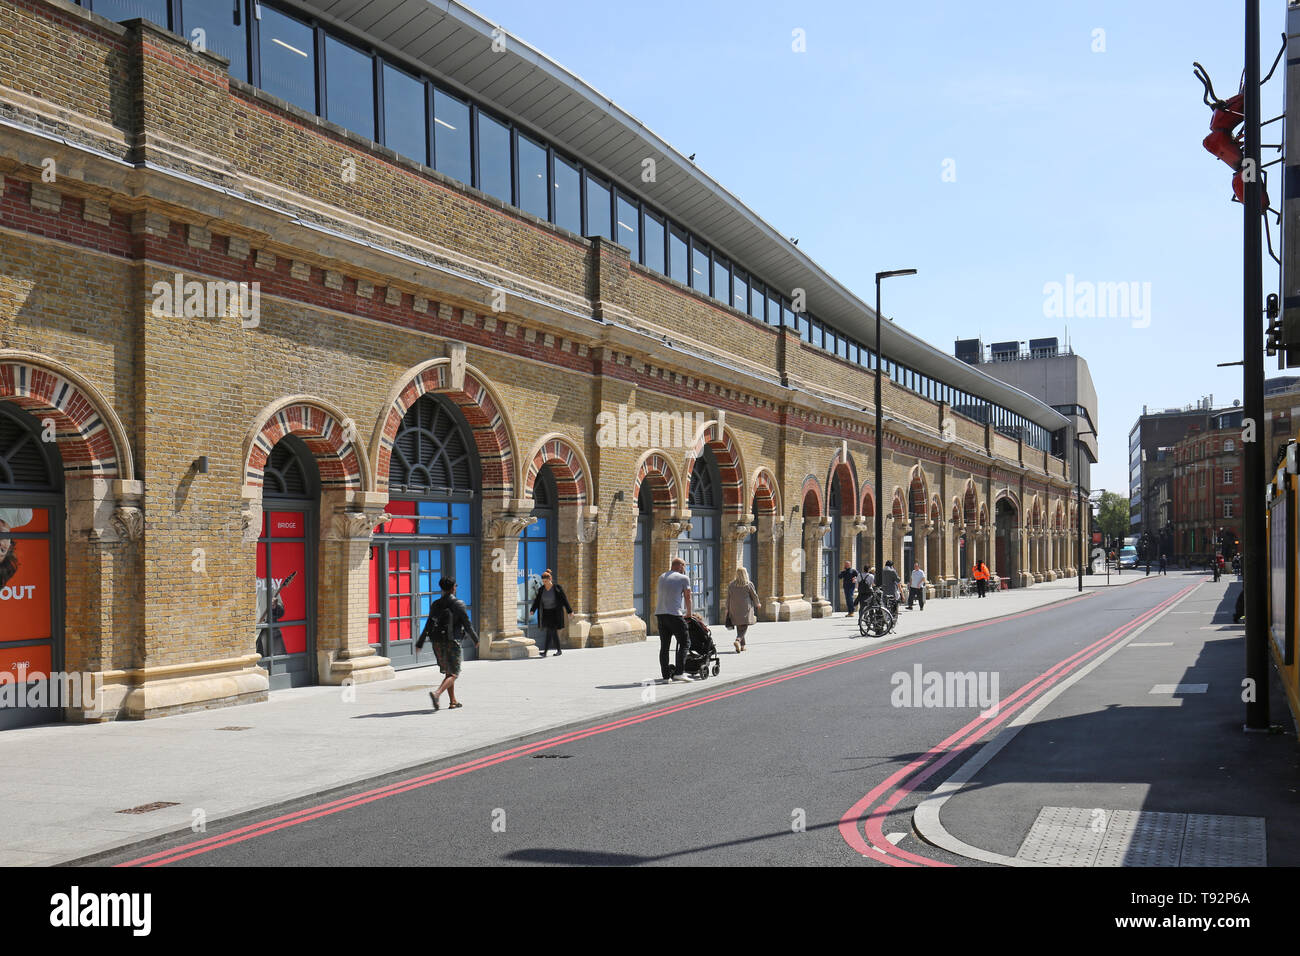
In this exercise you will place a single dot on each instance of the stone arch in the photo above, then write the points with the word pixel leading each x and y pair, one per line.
pixel 867 502
pixel 767 493
pixel 91 439
pixel 898 508
pixel 843 470
pixel 656 467
pixel 731 465
pixel 984 516
pixel 971 506
pixel 483 409
pixel 918 490
pixel 811 489
pixel 568 464
pixel 324 429
pixel 936 511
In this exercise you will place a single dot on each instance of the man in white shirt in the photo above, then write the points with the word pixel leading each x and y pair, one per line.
pixel 671 611
pixel 916 587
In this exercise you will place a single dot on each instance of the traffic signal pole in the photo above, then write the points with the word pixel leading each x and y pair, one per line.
pixel 1253 555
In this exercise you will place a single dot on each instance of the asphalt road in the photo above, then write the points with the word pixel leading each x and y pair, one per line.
pixel 790 769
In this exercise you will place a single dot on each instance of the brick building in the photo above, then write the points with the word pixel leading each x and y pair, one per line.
pixel 1207 487
pixel 292 325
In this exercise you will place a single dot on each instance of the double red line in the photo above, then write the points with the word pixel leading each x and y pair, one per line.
pixel 876 806
pixel 264 827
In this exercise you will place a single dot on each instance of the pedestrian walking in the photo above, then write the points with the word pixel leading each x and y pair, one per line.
pixel 550 605
pixel 1164 564
pixel 981 576
pixel 849 580
pixel 673 596
pixel 742 606
pixel 448 621
pixel 1236 565
pixel 916 587
pixel 889 584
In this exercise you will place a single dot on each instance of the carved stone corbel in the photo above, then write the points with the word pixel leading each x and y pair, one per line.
pixel 128 522
pixel 251 520
pixel 742 529
pixel 672 527
pixel 350 525
pixel 508 524
pixel 588 528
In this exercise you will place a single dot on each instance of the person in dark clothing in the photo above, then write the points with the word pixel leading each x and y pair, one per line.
pixel 1164 564
pixel 889 584
pixel 849 579
pixel 550 605
pixel 673 605
pixel 448 620
pixel 981 576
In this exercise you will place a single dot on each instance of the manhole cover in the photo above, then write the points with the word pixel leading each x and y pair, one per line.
pixel 552 756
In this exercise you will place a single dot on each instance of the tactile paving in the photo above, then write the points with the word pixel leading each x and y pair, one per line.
pixel 1095 836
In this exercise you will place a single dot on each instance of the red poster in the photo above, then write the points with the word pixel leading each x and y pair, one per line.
pixel 24 575
pixel 22 664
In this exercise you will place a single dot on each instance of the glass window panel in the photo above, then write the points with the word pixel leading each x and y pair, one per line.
pixel 493 157
pixel 451 137
pixel 460 518
pixel 818 337
pixel 805 328
pixel 155 11
pixel 532 177
pixel 627 226
pixel 597 208
pixel 567 196
pixel 756 299
pixel 853 352
pixel 405 127
pixel 225 30
pixel 654 243
pixel 721 278
pixel 677 254
pixel 739 290
pixel 349 87
pixel 788 317
pixel 831 340
pixel 773 310
pixel 288 57
pixel 700 268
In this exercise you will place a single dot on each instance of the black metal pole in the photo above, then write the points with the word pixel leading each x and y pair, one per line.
pixel 1253 543
pixel 880 491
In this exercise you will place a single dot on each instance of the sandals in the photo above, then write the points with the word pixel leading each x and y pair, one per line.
pixel 455 705
pixel 434 697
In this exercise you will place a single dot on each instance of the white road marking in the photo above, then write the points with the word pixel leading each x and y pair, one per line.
pixel 1153 644
pixel 1179 689
pixel 894 837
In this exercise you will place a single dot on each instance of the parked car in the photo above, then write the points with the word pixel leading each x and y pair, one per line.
pixel 1128 557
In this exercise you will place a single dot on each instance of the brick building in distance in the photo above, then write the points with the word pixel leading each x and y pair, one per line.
pixel 298 320
pixel 1207 487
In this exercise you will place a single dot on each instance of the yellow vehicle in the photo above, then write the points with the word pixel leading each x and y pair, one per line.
pixel 1282 577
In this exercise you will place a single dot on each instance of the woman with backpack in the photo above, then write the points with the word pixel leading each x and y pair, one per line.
pixel 550 605
pixel 742 606
pixel 448 620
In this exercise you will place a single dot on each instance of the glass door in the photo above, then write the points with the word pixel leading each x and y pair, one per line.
pixel 283 611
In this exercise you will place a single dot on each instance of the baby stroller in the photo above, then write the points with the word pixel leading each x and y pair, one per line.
pixel 703 655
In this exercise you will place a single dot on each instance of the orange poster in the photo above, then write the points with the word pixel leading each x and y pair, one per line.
pixel 24 575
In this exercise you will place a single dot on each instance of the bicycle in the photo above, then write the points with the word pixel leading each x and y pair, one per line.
pixel 874 617
pixel 966 588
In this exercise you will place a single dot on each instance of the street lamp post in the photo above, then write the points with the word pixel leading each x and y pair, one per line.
pixel 880 370
pixel 1078 484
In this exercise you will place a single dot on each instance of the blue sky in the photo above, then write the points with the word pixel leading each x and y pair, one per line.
pixel 1067 161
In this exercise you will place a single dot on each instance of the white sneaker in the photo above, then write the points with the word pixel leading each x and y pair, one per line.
pixel 686 678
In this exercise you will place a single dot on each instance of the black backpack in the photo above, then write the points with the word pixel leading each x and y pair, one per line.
pixel 438 627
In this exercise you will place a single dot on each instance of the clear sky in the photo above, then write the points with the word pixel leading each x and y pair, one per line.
pixel 1065 160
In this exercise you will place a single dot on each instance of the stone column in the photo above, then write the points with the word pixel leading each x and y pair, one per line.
pixel 603 542
pixel 500 637
pixel 734 550
pixel 788 555
pixel 814 528
pixel 766 580
pixel 343 649
pixel 575 533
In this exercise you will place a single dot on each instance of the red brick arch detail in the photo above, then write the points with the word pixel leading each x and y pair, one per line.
pixel 970 503
pixel 767 496
pixel 811 491
pixel 936 510
pixel 487 423
pixel 658 470
pixel 730 467
pixel 842 472
pixel 899 506
pixel 917 492
pixel 339 459
pixel 568 467
pixel 87 434
pixel 867 502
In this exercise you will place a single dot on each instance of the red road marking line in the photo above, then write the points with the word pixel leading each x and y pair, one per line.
pixel 939 756
pixel 306 814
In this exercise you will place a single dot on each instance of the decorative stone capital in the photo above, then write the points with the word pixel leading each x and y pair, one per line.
pixel 672 527
pixel 128 522
pixel 742 529
pixel 778 529
pixel 508 525
pixel 588 526
pixel 350 525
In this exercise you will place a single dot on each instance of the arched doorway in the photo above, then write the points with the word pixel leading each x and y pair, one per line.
pixel 31 570
pixel 434 485
pixel 643 590
pixel 1005 522
pixel 537 550
pixel 286 566
pixel 700 543
pixel 830 549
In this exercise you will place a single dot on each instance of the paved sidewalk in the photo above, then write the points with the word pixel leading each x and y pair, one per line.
pixel 1141 762
pixel 65 784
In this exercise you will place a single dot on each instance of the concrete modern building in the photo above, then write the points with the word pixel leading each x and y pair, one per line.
pixel 306 305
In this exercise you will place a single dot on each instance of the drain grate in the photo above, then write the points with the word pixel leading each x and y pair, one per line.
pixel 1080 836
pixel 150 807
pixel 551 756
pixel 234 728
